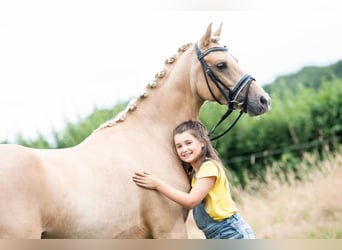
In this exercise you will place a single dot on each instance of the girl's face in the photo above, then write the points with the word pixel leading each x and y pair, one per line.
pixel 188 147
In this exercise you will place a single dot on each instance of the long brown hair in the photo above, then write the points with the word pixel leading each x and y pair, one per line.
pixel 198 130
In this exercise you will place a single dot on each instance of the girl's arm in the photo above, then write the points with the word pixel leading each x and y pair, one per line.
pixel 188 200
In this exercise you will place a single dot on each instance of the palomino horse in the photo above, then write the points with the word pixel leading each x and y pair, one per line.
pixel 86 191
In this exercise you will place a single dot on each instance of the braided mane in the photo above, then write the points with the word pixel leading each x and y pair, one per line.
pixel 133 103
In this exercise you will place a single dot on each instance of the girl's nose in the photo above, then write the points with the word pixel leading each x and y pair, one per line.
pixel 183 150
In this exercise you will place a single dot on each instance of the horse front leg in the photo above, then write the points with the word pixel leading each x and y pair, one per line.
pixel 166 220
pixel 170 228
pixel 179 231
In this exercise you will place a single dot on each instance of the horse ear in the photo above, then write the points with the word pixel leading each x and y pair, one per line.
pixel 217 33
pixel 205 40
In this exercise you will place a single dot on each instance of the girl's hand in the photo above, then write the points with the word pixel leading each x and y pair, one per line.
pixel 145 180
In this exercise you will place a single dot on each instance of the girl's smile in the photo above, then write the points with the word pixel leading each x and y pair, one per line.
pixel 188 148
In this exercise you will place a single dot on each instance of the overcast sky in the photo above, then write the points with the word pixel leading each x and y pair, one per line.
pixel 60 59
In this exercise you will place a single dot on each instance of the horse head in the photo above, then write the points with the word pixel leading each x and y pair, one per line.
pixel 222 79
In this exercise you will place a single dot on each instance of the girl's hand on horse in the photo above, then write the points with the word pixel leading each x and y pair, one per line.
pixel 146 180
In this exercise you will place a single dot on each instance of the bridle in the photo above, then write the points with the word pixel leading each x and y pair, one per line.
pixel 231 97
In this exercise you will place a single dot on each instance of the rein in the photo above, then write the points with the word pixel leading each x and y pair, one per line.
pixel 231 98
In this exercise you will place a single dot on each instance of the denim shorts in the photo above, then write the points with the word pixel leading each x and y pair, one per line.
pixel 235 227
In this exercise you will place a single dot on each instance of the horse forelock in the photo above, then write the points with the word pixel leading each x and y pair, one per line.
pixel 215 39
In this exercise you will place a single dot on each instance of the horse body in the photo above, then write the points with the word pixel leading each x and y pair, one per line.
pixel 76 193
pixel 86 191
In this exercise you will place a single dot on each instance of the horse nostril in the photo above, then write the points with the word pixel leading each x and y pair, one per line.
pixel 263 100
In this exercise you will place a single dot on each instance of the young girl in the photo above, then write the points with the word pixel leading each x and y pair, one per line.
pixel 214 210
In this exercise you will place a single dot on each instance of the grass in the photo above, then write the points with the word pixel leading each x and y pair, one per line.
pixel 309 208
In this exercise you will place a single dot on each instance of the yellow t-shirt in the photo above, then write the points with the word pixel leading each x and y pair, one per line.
pixel 218 203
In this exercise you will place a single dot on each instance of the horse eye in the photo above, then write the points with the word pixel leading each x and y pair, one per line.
pixel 221 66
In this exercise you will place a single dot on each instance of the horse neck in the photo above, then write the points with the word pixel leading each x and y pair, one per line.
pixel 166 103
pixel 173 100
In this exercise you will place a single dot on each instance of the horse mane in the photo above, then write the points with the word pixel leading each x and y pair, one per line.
pixel 133 103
